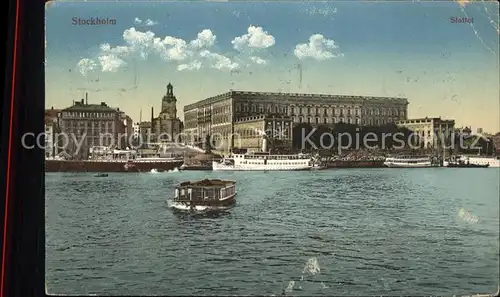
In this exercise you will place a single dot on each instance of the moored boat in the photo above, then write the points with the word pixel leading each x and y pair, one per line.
pixel 256 161
pixel 459 162
pixel 477 160
pixel 114 161
pixel 466 165
pixel 204 195
pixel 410 162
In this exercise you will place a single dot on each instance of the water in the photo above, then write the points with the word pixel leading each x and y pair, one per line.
pixel 333 232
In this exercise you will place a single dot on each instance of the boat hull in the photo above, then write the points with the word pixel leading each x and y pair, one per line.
pixel 403 165
pixel 221 167
pixel 355 164
pixel 109 166
pixel 451 165
pixel 185 206
pixel 492 162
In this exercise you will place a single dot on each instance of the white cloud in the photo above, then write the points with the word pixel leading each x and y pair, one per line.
pixel 258 60
pixel 256 38
pixel 219 61
pixel 147 22
pixel 188 55
pixel 205 39
pixel 195 65
pixel 110 63
pixel 85 66
pixel 318 48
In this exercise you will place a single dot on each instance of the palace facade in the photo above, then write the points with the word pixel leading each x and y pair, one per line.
pixel 224 115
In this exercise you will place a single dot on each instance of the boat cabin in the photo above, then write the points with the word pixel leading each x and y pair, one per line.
pixel 205 190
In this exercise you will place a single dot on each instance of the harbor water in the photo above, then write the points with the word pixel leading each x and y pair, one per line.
pixel 334 232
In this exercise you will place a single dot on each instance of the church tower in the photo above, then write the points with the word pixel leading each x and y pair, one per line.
pixel 169 103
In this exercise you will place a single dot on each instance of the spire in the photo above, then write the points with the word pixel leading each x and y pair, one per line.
pixel 170 90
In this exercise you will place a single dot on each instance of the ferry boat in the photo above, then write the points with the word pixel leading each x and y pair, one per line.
pixel 257 161
pixel 410 162
pixel 476 160
pixel 458 162
pixel 204 195
pixel 112 160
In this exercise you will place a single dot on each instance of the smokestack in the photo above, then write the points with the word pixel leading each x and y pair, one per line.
pixel 86 98
pixel 152 114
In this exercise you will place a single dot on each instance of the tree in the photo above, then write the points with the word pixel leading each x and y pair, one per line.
pixel 208 145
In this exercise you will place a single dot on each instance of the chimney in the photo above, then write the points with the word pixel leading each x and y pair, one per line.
pixel 86 98
pixel 152 114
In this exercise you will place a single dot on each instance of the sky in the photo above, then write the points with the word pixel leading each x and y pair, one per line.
pixel 391 48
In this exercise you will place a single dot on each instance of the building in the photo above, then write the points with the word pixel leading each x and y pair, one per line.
pixel 431 131
pixel 86 125
pixel 136 129
pixel 250 132
pixel 50 131
pixel 125 129
pixel 496 143
pixel 463 131
pixel 218 115
pixel 145 131
pixel 167 126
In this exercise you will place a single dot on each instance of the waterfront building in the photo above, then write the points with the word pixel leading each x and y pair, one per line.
pixel 496 143
pixel 50 131
pixel 463 131
pixel 125 128
pixel 219 114
pixel 431 131
pixel 253 132
pixel 136 129
pixel 88 125
pixel 167 126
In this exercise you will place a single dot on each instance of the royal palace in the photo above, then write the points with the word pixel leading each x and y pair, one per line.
pixel 248 115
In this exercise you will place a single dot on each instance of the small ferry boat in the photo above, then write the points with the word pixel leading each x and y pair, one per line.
pixel 462 164
pixel 257 161
pixel 410 162
pixel 477 160
pixel 204 195
pixel 458 162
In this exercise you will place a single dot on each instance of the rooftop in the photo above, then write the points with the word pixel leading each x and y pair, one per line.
pixel 426 119
pixel 207 183
pixel 51 113
pixel 302 96
pixel 82 106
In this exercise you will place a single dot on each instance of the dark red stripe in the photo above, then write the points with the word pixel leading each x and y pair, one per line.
pixel 9 152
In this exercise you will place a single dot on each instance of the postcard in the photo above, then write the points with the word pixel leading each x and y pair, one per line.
pixel 159 111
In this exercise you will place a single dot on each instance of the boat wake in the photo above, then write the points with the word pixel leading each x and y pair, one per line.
pixel 467 216
pixel 310 269
pixel 195 209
